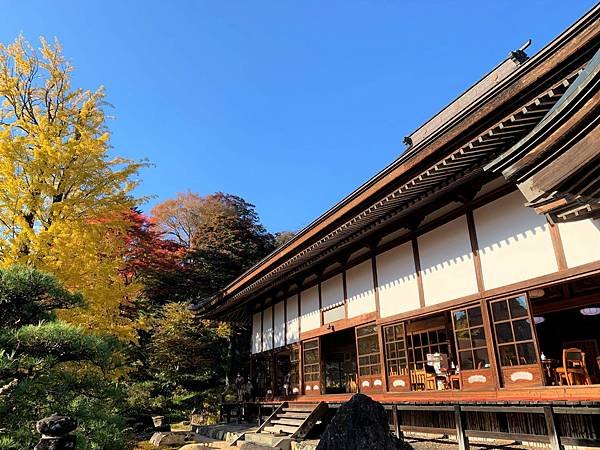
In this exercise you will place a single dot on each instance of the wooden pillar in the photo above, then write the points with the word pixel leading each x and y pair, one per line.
pixel 559 251
pixel 259 415
pixel 551 426
pixel 490 343
pixel 475 250
pixel 396 421
pixel 417 260
pixel 461 435
pixel 379 327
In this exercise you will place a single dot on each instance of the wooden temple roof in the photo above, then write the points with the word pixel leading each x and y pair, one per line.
pixel 444 160
pixel 557 165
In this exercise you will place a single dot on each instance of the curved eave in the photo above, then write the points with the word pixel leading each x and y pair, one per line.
pixel 557 165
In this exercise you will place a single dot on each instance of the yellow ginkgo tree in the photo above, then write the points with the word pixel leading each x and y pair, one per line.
pixel 62 196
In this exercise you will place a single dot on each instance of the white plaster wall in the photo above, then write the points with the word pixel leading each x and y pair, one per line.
pixel 447 266
pixel 397 279
pixel 293 322
pixel 279 331
pixel 332 291
pixel 514 242
pixel 581 241
pixel 267 343
pixel 309 309
pixel 256 333
pixel 361 292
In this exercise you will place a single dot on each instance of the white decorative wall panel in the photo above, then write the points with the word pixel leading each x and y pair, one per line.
pixel 361 292
pixel 397 279
pixel 447 266
pixel 514 242
pixel 581 241
pixel 267 335
pixel 309 308
pixel 256 333
pixel 332 291
pixel 279 330
pixel 293 322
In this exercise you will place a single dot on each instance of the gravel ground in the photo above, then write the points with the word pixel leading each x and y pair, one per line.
pixel 449 444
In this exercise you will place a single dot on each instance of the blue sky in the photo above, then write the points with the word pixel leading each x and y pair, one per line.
pixel 289 104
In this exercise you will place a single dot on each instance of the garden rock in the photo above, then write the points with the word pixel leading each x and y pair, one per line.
pixel 55 433
pixel 360 424
pixel 168 438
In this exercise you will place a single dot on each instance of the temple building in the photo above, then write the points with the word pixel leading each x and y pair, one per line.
pixel 459 286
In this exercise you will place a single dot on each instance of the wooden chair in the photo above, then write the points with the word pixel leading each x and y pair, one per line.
pixel 573 368
pixel 417 379
pixel 431 377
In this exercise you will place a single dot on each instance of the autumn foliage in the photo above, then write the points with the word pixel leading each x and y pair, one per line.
pixel 93 292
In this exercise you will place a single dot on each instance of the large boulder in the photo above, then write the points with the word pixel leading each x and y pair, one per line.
pixel 360 424
pixel 168 438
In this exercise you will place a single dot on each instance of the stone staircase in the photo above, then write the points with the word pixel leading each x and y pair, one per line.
pixel 289 422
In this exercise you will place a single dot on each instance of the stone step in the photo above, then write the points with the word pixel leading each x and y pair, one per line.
pixel 265 440
pixel 300 406
pixel 294 415
pixel 253 446
pixel 281 429
pixel 288 421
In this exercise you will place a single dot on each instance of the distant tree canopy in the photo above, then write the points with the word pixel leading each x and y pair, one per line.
pixel 222 236
pixel 283 237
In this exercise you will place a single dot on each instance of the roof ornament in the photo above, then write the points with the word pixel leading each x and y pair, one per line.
pixel 519 56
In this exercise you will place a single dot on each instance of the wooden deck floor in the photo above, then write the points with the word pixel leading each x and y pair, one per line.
pixel 549 394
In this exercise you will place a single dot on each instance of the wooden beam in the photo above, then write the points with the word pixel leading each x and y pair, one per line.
pixel 557 244
pixel 379 327
pixel 475 250
pixel 415 248
pixel 285 342
pixel 320 305
pixel 345 288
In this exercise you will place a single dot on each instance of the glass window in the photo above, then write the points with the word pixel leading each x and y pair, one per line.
pixel 470 338
pixel 367 342
pixel 423 343
pixel 514 335
pixel 395 356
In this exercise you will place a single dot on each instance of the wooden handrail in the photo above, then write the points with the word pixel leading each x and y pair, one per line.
pixel 261 427
pixel 302 430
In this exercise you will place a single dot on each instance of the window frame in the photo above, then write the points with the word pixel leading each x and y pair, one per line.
pixel 317 365
pixel 532 340
pixel 374 368
pixel 412 348
pixel 402 371
pixel 472 348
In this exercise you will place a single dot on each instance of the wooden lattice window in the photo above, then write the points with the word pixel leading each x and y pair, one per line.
pixel 513 330
pixel 395 350
pixel 367 342
pixel 470 338
pixel 311 362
